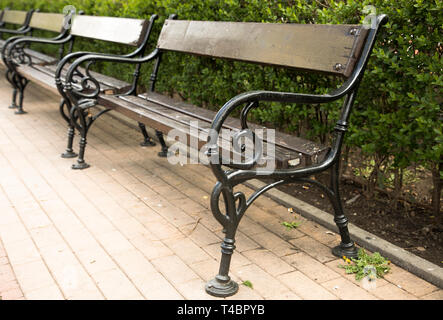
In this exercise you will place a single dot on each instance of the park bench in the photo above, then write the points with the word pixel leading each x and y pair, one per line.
pixel 25 64
pixel 341 50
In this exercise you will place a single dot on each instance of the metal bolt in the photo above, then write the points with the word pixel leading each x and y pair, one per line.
pixel 353 31
pixel 338 67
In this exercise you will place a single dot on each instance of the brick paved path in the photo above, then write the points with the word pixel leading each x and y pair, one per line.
pixel 135 227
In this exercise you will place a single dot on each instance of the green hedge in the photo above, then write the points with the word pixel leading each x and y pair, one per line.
pixel 397 121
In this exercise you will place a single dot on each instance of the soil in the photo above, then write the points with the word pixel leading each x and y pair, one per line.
pixel 412 227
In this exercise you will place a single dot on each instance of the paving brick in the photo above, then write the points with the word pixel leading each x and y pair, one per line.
pixel 187 250
pixel 7 284
pixel 46 293
pixel 268 261
pixel 14 232
pixel 305 288
pixel 151 249
pixel 262 282
pixel 114 242
pixel 319 233
pixel 14 294
pixel 289 295
pixel 436 295
pixel 156 287
pixel 311 267
pixel 22 251
pixel 245 293
pixel 207 269
pixel 134 264
pixel 174 269
pixel 116 286
pixel 194 290
pixel 346 290
pixel 275 244
pixel 95 260
pixel 243 242
pixel 409 282
pixel 391 292
pixel 200 234
pixel 315 249
pixel 46 236
pixel 33 275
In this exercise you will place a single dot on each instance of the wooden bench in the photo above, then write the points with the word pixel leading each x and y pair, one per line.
pixel 341 50
pixel 25 64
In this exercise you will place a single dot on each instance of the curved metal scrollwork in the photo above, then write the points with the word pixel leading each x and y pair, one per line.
pixel 19 56
pixel 231 218
pixel 84 85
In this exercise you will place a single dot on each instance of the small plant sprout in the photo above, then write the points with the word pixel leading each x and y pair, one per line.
pixel 370 266
pixel 290 225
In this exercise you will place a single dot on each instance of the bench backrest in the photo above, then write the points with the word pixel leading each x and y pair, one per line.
pixel 120 30
pixel 47 21
pixel 14 17
pixel 331 49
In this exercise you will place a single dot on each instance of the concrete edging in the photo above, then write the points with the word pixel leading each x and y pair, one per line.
pixel 412 263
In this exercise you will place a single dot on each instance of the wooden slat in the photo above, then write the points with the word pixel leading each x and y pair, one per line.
pixel 120 30
pixel 160 118
pixel 283 140
pixel 47 21
pixel 44 75
pixel 14 16
pixel 304 46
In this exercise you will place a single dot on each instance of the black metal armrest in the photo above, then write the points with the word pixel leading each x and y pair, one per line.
pixel 15 31
pixel 91 93
pixel 18 43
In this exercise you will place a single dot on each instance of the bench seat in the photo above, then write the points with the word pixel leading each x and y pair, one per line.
pixel 164 113
pixel 44 73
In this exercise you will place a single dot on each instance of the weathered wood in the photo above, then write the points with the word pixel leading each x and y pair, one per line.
pixel 14 16
pixel 290 142
pixel 47 21
pixel 165 118
pixel 121 30
pixel 323 48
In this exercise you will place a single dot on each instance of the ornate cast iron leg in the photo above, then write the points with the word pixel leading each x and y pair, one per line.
pixel 222 285
pixel 69 153
pixel 22 82
pixel 10 78
pixel 148 141
pixel 346 247
pixel 14 99
pixel 164 153
pixel 83 128
pixel 84 123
